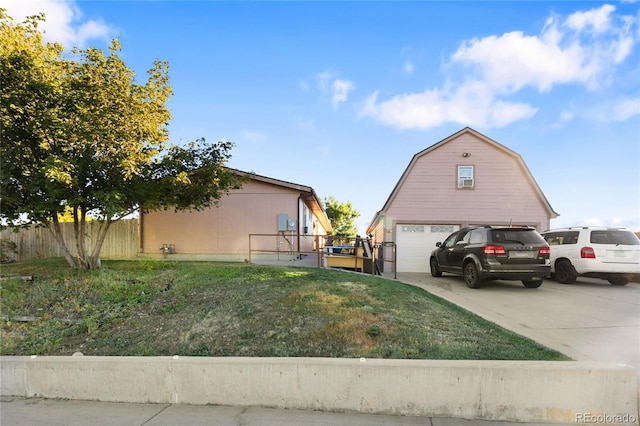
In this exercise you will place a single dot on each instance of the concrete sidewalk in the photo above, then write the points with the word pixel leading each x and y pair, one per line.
pixel 17 411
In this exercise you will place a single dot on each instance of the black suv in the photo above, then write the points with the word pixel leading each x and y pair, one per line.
pixel 493 253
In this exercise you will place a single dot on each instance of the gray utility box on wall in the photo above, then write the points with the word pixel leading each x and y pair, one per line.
pixel 282 222
pixel 286 224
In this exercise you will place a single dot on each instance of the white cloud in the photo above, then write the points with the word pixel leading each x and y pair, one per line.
pixel 407 111
pixel 468 106
pixel 340 90
pixel 579 50
pixel 512 61
pixel 582 49
pixel 63 23
pixel 503 113
pixel 620 109
pixel 596 20
pixel 626 109
pixel 566 116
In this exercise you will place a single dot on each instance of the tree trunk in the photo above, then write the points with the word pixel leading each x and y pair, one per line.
pixel 94 260
pixel 83 260
pixel 57 233
pixel 79 230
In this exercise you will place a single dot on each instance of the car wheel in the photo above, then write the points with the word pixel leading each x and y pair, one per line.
pixel 565 273
pixel 470 274
pixel 613 280
pixel 532 283
pixel 435 269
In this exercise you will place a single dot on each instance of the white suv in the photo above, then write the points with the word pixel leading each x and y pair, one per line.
pixel 612 254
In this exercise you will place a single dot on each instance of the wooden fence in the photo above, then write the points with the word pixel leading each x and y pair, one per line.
pixel 121 242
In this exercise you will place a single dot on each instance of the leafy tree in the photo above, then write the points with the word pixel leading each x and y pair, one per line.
pixel 82 135
pixel 341 216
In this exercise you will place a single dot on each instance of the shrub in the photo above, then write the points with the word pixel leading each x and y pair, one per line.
pixel 8 251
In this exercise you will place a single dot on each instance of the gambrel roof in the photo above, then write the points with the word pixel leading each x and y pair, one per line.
pixel 467 130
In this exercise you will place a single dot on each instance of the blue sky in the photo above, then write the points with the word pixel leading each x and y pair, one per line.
pixel 340 95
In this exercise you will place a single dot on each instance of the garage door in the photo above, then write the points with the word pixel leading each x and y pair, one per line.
pixel 414 243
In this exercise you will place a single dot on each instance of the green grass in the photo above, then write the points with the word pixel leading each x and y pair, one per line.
pixel 143 307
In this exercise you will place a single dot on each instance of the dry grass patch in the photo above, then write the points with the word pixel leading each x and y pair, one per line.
pixel 228 309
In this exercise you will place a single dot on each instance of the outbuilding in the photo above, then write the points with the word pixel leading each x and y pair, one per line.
pixel 464 180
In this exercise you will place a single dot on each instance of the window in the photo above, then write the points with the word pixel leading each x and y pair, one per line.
pixel 465 177
pixel 558 238
pixel 452 239
pixel 476 237
pixel 521 236
pixel 412 228
pixel 442 228
pixel 617 237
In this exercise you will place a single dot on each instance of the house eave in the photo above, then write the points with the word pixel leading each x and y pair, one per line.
pixel 307 194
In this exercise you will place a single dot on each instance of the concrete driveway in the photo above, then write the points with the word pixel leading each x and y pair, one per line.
pixel 590 320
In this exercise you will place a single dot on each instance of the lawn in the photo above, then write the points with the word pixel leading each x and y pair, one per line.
pixel 159 308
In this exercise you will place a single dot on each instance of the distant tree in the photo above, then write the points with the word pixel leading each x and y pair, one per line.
pixel 67 215
pixel 81 135
pixel 341 216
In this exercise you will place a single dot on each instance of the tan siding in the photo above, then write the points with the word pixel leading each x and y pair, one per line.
pixel 224 229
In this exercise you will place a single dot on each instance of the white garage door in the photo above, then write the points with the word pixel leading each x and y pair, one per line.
pixel 414 243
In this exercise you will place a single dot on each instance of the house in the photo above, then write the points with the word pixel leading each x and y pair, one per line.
pixel 465 179
pixel 266 218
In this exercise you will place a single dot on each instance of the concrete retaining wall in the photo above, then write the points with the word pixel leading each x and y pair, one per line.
pixel 522 391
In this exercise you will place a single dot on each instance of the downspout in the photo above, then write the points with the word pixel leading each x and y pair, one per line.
pixel 298 221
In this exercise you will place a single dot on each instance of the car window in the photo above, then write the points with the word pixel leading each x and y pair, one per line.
pixel 614 237
pixel 463 236
pixel 475 237
pixel 552 238
pixel 562 237
pixel 570 237
pixel 522 236
pixel 450 240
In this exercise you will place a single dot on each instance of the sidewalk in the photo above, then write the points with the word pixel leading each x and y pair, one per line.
pixel 17 411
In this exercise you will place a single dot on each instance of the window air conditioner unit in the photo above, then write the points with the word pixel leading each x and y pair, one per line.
pixel 466 183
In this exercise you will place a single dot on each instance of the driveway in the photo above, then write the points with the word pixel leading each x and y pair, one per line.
pixel 590 320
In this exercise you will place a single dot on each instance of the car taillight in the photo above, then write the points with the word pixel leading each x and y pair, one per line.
pixel 494 250
pixel 545 250
pixel 587 253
